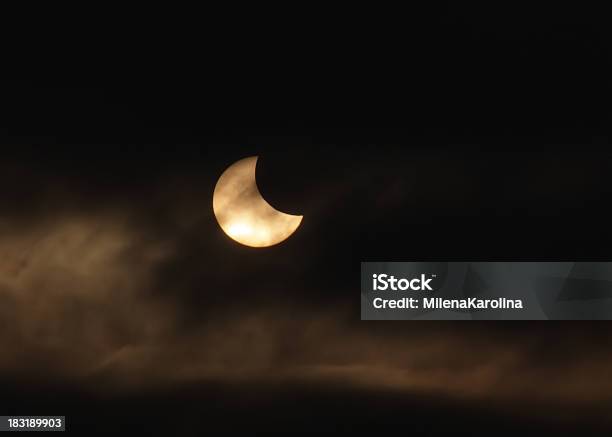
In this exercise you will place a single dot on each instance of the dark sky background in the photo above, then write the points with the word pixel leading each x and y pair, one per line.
pixel 123 304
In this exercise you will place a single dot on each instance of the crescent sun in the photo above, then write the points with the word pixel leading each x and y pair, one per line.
pixel 242 212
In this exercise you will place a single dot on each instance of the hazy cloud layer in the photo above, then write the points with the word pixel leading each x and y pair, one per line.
pixel 80 301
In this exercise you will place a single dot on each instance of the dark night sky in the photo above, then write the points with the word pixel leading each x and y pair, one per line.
pixel 121 299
